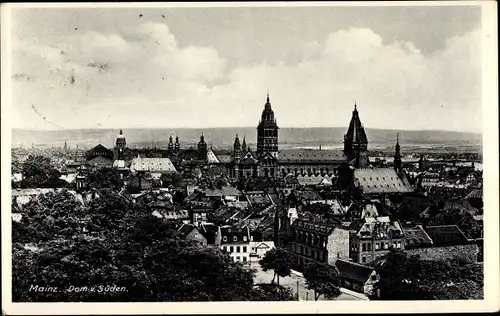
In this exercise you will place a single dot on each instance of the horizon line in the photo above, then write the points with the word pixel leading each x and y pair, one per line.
pixel 235 127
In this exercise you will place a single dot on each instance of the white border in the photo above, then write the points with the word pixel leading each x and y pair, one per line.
pixel 490 162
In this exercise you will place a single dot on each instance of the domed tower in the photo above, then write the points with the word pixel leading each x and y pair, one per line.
pixel 170 144
pixel 397 156
pixel 202 148
pixel 267 131
pixel 121 144
pixel 356 142
pixel 177 146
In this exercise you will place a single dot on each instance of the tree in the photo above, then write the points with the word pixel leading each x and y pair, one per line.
pixel 124 247
pixel 38 172
pixel 279 260
pixel 323 279
pixel 463 219
pixel 105 178
pixel 411 278
pixel 271 292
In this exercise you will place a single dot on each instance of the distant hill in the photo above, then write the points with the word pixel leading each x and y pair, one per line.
pixel 327 137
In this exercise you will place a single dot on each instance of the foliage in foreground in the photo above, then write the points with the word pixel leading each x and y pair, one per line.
pixel 112 250
pixel 410 278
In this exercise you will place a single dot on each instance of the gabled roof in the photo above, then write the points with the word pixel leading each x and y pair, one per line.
pixel 380 180
pixel 212 157
pixel 100 160
pixel 185 229
pixel 353 271
pixel 446 235
pixel 310 155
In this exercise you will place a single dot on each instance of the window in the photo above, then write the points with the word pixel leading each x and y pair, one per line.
pixel 238 249
pixel 386 245
pixel 224 238
pixel 363 259
pixel 244 238
pixel 363 247
pixel 237 258
pixel 244 259
pixel 244 248
pixel 224 248
pixel 231 249
pixel 235 238
pixel 373 277
pixel 377 246
pixel 369 247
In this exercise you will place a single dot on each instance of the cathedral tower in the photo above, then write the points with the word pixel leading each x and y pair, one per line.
pixel 177 146
pixel 202 149
pixel 267 132
pixel 355 142
pixel 244 146
pixel 121 143
pixel 170 144
pixel 237 149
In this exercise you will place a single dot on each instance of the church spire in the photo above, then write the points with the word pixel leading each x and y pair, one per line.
pixel 397 155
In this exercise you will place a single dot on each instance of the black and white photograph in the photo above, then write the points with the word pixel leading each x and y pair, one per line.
pixel 316 153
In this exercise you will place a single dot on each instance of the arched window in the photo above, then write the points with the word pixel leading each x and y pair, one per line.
pixel 235 238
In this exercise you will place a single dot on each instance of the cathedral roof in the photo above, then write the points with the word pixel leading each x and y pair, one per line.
pixel 356 132
pixel 380 180
pixel 267 118
pixel 310 155
pixel 152 164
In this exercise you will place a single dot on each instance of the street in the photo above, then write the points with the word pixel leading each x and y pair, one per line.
pixel 291 283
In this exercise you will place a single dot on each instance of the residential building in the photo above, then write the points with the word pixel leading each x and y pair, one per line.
pixel 235 242
pixel 312 241
pixel 356 277
pixel 373 236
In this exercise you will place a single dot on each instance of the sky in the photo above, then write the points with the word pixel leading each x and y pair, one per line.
pixel 407 68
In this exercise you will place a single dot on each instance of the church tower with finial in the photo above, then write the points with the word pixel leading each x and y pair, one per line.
pixel 397 156
pixel 356 142
pixel 202 149
pixel 267 132
pixel 244 146
pixel 170 145
pixel 120 145
pixel 237 149
pixel 177 146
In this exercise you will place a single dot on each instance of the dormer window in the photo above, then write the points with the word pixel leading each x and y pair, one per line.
pixel 244 238
pixel 224 238
pixel 235 238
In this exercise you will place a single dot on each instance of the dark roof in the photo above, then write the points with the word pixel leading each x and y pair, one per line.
pixel 185 229
pixel 353 271
pixel 208 231
pixel 231 232
pixel 323 228
pixel 356 132
pixel 311 155
pixel 416 237
pixel 446 235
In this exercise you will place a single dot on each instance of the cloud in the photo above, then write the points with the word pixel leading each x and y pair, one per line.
pixel 149 80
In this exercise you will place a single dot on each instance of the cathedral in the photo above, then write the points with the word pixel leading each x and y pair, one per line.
pixel 269 161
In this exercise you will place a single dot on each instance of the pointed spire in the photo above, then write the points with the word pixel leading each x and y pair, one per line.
pixel 267 100
pixel 355 106
pixel 397 139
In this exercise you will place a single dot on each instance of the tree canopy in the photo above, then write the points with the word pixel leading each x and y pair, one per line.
pixel 323 279
pixel 38 172
pixel 404 277
pixel 279 260
pixel 113 250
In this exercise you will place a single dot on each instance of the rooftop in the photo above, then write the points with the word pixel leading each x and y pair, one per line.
pixel 380 180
